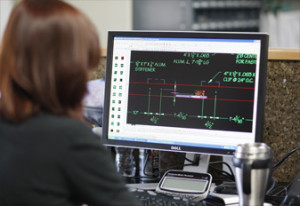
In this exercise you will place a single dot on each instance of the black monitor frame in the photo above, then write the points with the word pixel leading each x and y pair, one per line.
pixel 211 35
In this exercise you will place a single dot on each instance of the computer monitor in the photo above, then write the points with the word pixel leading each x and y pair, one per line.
pixel 193 92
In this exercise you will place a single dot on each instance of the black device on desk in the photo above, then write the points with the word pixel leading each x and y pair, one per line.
pixel 196 92
pixel 151 198
pixel 190 185
pixel 192 92
pixel 228 188
pixel 293 196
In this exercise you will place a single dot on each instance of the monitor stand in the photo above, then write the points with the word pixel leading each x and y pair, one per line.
pixel 200 167
pixel 202 161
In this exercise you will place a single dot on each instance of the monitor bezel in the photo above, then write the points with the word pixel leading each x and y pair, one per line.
pixel 264 37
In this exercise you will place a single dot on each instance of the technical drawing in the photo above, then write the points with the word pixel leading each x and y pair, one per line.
pixel 193 90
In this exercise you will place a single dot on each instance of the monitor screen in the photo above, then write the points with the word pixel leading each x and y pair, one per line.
pixel 199 92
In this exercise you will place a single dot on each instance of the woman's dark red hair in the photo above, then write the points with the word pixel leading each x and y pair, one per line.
pixel 47 50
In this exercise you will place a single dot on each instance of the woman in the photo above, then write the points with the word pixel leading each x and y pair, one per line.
pixel 48 156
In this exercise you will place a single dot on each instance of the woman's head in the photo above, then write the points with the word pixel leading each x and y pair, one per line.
pixel 46 52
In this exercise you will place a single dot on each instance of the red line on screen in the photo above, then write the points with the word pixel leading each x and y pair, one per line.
pixel 192 85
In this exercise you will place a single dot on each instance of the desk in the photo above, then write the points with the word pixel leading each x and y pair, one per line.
pixel 230 200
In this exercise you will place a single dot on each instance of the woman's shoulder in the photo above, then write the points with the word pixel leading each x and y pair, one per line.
pixel 56 120
pixel 58 127
pixel 50 128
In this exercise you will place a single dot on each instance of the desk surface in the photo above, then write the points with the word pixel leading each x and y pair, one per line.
pixel 230 200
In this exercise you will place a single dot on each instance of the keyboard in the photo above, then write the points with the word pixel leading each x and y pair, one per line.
pixel 151 198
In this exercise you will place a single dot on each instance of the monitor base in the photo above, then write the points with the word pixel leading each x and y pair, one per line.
pixel 201 160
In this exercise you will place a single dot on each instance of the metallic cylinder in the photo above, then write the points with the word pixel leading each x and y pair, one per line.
pixel 252 162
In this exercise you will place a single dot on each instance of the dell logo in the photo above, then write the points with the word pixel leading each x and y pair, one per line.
pixel 175 148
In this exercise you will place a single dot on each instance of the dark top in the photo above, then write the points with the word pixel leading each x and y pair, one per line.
pixel 50 160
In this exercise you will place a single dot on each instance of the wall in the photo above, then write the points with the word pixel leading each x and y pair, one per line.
pixel 282 111
pixel 283 27
pixel 5 8
pixel 106 15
